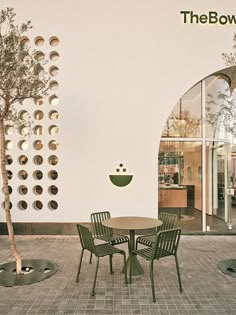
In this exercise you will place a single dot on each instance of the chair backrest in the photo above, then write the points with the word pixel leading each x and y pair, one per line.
pixel 167 242
pixel 99 229
pixel 86 238
pixel 169 221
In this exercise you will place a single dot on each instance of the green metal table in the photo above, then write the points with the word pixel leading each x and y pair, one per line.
pixel 132 224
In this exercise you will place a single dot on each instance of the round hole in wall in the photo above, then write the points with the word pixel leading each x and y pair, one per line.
pixel 9 190
pixel 3 205
pixel 38 130
pixel 23 115
pixel 39 56
pixel 23 190
pixel 9 130
pixel 23 174
pixel 53 115
pixel 23 130
pixel 38 159
pixel 53 175
pixel 53 190
pixel 23 159
pixel 38 101
pixel 53 205
pixel 24 40
pixel 53 100
pixel 8 159
pixel 23 145
pixel 38 190
pixel 53 145
pixel 53 85
pixel 38 145
pixel 22 205
pixel 38 205
pixel 38 175
pixel 53 160
pixel 53 71
pixel 9 145
pixel 39 41
pixel 53 130
pixel 9 174
pixel 53 41
pixel 54 56
pixel 38 115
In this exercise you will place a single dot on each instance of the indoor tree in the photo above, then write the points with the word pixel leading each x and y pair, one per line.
pixel 21 77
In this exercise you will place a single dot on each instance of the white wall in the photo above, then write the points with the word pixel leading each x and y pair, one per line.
pixel 123 66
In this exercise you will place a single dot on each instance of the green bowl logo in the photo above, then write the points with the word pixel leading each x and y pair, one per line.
pixel 121 179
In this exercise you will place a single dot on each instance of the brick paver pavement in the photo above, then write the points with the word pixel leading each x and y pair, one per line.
pixel 206 289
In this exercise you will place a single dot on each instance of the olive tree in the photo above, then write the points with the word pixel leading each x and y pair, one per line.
pixel 21 77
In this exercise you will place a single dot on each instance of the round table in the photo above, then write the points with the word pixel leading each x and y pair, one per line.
pixel 132 224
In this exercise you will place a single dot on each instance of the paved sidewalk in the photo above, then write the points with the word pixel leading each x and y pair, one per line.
pixel 206 289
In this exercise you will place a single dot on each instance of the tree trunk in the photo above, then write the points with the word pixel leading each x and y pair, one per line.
pixel 11 235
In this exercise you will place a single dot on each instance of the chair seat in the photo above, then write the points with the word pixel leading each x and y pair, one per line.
pixel 105 249
pixel 148 252
pixel 147 240
pixel 114 238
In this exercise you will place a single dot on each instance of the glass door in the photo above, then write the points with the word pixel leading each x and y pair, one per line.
pixel 221 182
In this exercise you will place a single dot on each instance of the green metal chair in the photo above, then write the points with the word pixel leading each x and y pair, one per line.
pixel 169 222
pixel 104 233
pixel 166 244
pixel 101 250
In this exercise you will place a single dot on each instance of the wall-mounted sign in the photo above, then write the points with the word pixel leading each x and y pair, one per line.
pixel 121 178
pixel 212 17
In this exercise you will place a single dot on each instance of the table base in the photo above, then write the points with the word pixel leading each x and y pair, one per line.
pixel 137 270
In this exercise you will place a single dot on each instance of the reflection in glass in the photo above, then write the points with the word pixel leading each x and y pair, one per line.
pixel 53 175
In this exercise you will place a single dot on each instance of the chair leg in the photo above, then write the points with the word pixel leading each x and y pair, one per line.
pixel 152 280
pixel 91 256
pixel 95 277
pixel 79 267
pixel 130 268
pixel 125 267
pixel 178 273
pixel 110 260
